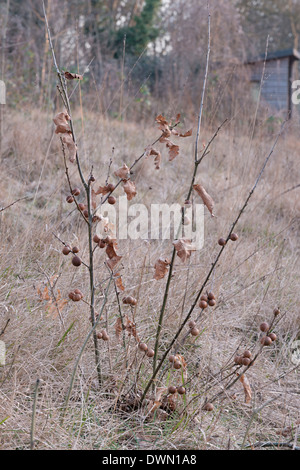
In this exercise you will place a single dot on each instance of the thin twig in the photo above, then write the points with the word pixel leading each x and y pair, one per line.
pixel 18 200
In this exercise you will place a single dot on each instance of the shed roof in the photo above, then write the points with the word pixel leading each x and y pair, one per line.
pixel 293 53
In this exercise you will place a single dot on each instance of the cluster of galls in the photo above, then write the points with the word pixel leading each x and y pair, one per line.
pixel 74 192
pixel 244 359
pixel 129 300
pixel 172 389
pixel 223 241
pixel 144 348
pixel 193 329
pixel 175 360
pixel 102 242
pixel 76 295
pixel 76 261
pixel 103 335
pixel 207 300
pixel 269 338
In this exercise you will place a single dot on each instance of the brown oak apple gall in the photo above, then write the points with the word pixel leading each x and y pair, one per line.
pixel 208 407
pixel 105 336
pixel 70 199
pixel 211 296
pixel 247 354
pixel 234 237
pixel 172 358
pixel 212 302
pixel 172 389
pixel 66 250
pixel 86 213
pixel 266 341
pixel 195 332
pixel 75 249
pixel 181 390
pixel 81 206
pixel 150 353
pixel 111 200
pixel 177 365
pixel 76 261
pixel 77 297
pixel 76 192
pixel 204 297
pixel 143 347
pixel 272 336
pixel 264 327
pixel 110 187
pixel 238 360
pixel 101 244
pixel 202 304
pixel 246 361
pixel 276 312
pixel 222 241
pixel 96 239
pixel 192 324
pixel 71 295
pixel 99 335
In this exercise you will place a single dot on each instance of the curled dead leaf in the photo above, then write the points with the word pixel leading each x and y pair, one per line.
pixel 161 268
pixel 157 156
pixel 184 248
pixel 61 121
pixel 73 76
pixel 123 172
pixel 206 198
pixel 68 141
pixel 129 188
pixel 173 150
pixel 247 388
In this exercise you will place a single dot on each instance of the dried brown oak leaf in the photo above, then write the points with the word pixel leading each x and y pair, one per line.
pixel 157 156
pixel 163 125
pixel 206 198
pixel 103 190
pixel 123 172
pixel 73 76
pixel 61 121
pixel 114 258
pixel 173 150
pixel 184 248
pixel 67 140
pixel 129 188
pixel 247 388
pixel 161 268
pixel 119 282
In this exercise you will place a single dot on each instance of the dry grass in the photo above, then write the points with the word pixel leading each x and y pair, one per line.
pixel 255 275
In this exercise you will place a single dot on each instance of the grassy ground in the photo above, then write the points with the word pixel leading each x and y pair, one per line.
pixel 256 274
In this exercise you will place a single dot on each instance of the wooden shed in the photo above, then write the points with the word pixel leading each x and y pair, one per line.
pixel 280 72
